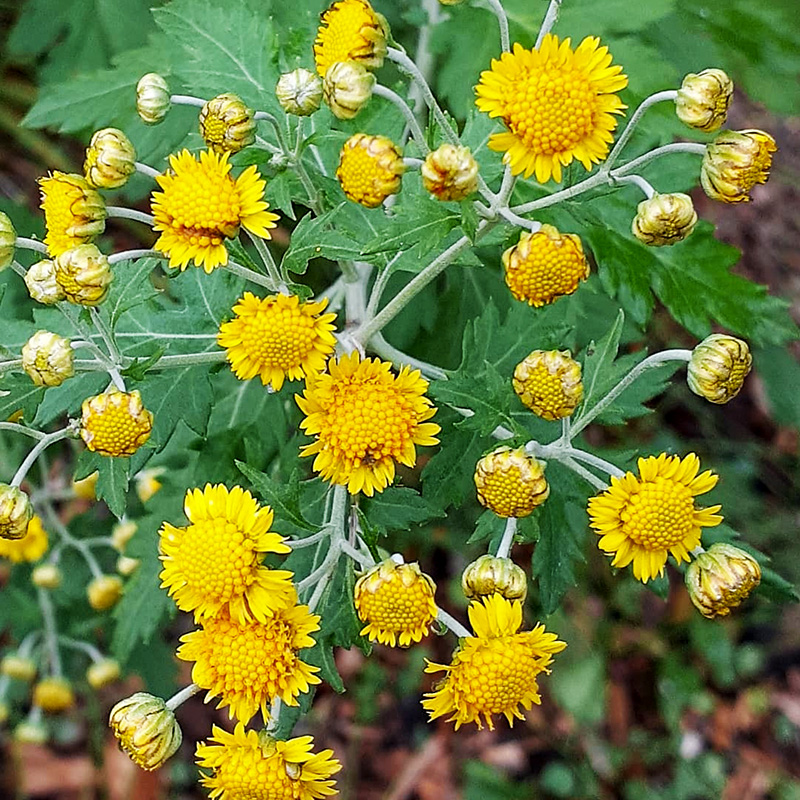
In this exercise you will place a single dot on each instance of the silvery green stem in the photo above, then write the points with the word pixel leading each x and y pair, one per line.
pixel 593 460
pixel 547 23
pixel 179 698
pixel 189 359
pixel 667 149
pixel 424 58
pixel 364 560
pixel 16 428
pixel 67 538
pixel 250 275
pixel 187 100
pixel 145 169
pixel 276 151
pixel 453 624
pixel 413 163
pixel 380 346
pixel 502 21
pixel 307 541
pixel 589 477
pixel 30 244
pixel 408 114
pixel 504 548
pixel 12 364
pixel 265 115
pixel 77 644
pixel 50 631
pixel 36 450
pixel 529 224
pixel 130 213
pixel 129 255
pixel 269 262
pixel 379 286
pixel 640 182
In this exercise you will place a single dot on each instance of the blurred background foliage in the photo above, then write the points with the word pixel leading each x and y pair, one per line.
pixel 649 700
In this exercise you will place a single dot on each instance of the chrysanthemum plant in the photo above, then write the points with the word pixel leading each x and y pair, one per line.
pixel 285 380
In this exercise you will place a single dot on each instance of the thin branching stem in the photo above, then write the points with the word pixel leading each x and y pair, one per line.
pixel 504 548
pixel 130 213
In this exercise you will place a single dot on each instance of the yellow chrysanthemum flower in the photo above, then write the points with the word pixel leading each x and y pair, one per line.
pixel 115 423
pixel 53 694
pixel 396 602
pixel 74 212
pixel 202 205
pixel 549 383
pixel 277 337
pixel 370 169
pixel 215 562
pixel 557 103
pixel 248 665
pixel 364 419
pixel 31 547
pixel 642 520
pixel 350 30
pixel 494 671
pixel 510 482
pixel 246 764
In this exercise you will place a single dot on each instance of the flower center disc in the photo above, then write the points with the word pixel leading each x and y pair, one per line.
pixel 659 515
pixel 282 338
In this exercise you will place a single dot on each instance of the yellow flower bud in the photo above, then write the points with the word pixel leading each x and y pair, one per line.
pixel 346 88
pixel 549 383
pixel 489 575
pixel 110 159
pixel 102 673
pixel 42 284
pixel 104 592
pixel 29 732
pixel 721 578
pixel 152 98
pixel 31 547
pixel 299 92
pixel 15 512
pixel 86 487
pixel 84 275
pixel 8 239
pixel 450 172
pixel 664 219
pixel 146 729
pixel 74 212
pixel 227 124
pixel 18 667
pixel 370 168
pixel 115 423
pixel 544 266
pixel 734 163
pixel 147 483
pixel 718 367
pixel 127 566
pixel 703 99
pixel 53 695
pixel 351 30
pixel 46 576
pixel 47 359
pixel 122 533
pixel 510 482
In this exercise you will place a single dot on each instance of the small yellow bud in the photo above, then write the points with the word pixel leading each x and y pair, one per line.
pixel 147 483
pixel 549 383
pixel 46 576
pixel 510 482
pixel 127 566
pixel 47 359
pixel 346 88
pixel 53 695
pixel 18 667
pixel 489 575
pixel 146 729
pixel 104 592
pixel 86 487
pixel 115 423
pixel 703 99
pixel 102 673
pixel 721 578
pixel 42 284
pixel 227 125
pixel 299 92
pixel 718 367
pixel 450 172
pixel 664 219
pixel 152 98
pixel 110 159
pixel 370 168
pixel 122 533
pixel 15 512
pixel 734 163
pixel 84 275
pixel 74 212
pixel 29 732
pixel 8 239
pixel 351 30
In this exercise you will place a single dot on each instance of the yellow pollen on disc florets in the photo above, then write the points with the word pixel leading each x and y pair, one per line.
pixel 365 419
pixel 370 169
pixel 115 423
pixel 277 337
pixel 510 482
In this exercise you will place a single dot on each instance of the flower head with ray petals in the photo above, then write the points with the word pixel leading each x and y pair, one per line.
pixel 350 30
pixel 643 520
pixel 494 671
pixel 365 419
pixel 248 665
pixel 215 563
pixel 201 205
pixel 558 104
pixel 246 764
pixel 31 547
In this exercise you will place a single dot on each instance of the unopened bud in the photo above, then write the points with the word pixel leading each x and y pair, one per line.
pixel 489 575
pixel 53 695
pixel 147 483
pixel 510 482
pixel 127 566
pixel 15 512
pixel 18 667
pixel 85 488
pixel 299 92
pixel 227 125
pixel 115 423
pixel 74 212
pixel 84 275
pixel 30 732
pixel 450 173
pixel 122 533
pixel 549 383
pixel 104 592
pixel 46 576
pixel 152 98
pixel 703 99
pixel 8 239
pixel 664 219
pixel 351 30
pixel 42 284
pixel 721 578
pixel 718 367
pixel 102 673
pixel 734 163
pixel 370 169
pixel 110 159
pixel 346 88
pixel 146 729
pixel 47 359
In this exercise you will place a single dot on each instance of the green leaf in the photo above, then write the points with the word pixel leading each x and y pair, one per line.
pixel 319 238
pixel 597 360
pixel 424 223
pixel 781 375
pixel 489 528
pixel 398 508
pixel 776 588
pixel 112 480
pixel 19 393
pixel 131 287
